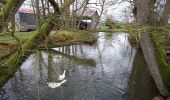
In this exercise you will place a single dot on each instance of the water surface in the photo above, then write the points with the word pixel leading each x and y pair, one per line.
pixel 108 70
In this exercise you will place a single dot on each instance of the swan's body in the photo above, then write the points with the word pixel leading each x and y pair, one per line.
pixel 55 85
pixel 61 77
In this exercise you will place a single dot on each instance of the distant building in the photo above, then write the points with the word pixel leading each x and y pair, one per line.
pixel 90 17
pixel 25 20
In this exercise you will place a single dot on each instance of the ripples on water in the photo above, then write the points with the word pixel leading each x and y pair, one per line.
pixel 98 72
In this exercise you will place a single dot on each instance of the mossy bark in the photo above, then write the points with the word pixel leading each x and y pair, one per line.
pixel 143 18
pixel 160 53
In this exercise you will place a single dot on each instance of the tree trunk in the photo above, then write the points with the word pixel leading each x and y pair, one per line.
pixel 143 14
pixel 37 6
pixel 43 9
pixel 98 20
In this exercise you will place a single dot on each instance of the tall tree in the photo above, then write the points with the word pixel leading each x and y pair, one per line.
pixel 143 19
pixel 37 6
pixel 101 12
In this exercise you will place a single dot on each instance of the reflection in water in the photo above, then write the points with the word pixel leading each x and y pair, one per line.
pixel 98 72
pixel 140 87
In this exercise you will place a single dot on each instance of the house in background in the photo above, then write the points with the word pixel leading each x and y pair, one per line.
pixel 88 19
pixel 25 20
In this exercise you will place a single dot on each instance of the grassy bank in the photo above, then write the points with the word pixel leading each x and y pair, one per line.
pixel 67 37
pixel 115 28
pixel 56 38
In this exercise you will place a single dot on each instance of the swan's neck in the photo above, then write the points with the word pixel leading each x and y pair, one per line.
pixel 64 72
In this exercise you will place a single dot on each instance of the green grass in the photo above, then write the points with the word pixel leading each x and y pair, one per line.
pixel 78 35
pixel 25 35
pixel 69 37
pixel 62 32
pixel 9 39
pixel 115 29
pixel 60 37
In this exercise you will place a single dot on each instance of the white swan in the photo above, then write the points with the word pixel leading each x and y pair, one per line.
pixel 55 85
pixel 61 77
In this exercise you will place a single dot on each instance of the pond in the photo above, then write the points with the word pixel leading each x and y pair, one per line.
pixel 109 70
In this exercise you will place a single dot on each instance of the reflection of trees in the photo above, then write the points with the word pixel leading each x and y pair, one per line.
pixel 39 64
pixel 81 51
pixel 141 84
pixel 49 67
pixel 38 67
pixel 77 60
pixel 100 60
pixel 109 39
pixel 127 50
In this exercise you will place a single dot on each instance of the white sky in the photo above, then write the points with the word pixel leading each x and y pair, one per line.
pixel 116 11
pixel 112 10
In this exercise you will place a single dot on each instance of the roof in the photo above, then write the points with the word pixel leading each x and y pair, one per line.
pixel 88 12
pixel 26 10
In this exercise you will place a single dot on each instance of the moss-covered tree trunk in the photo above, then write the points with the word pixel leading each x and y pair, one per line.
pixel 9 67
pixel 144 19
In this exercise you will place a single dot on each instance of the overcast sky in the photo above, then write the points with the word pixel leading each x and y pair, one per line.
pixel 113 10
pixel 116 11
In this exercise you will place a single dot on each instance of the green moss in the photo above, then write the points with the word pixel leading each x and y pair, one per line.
pixel 63 32
pixel 11 64
pixel 160 52
pixel 133 39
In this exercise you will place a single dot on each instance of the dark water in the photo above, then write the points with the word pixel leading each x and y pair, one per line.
pixel 109 70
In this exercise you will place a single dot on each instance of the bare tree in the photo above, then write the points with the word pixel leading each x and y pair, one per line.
pixel 37 6
pixel 166 12
pixel 103 4
pixel 43 10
